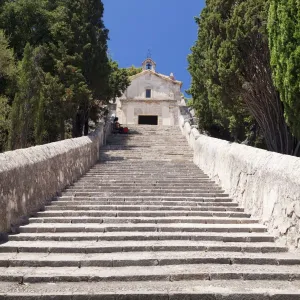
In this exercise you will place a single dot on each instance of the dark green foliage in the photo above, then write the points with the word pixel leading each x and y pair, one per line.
pixel 134 70
pixel 7 75
pixel 64 76
pixel 284 38
pixel 232 87
pixel 118 80
pixel 5 110
pixel 26 100
pixel 25 21
pixel 219 111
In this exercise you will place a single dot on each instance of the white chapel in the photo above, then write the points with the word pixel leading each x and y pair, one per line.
pixel 151 99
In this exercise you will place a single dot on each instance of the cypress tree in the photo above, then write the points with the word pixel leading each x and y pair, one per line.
pixel 231 72
pixel 7 75
pixel 26 101
pixel 284 41
pixel 66 60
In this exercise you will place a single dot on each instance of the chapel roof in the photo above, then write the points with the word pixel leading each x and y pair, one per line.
pixel 162 76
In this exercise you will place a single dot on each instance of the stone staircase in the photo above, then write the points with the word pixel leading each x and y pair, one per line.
pixel 146 223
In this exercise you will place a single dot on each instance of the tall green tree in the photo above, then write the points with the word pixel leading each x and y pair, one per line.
pixel 80 39
pixel 26 100
pixel 219 111
pixel 25 21
pixel 230 66
pixel 66 58
pixel 7 76
pixel 284 41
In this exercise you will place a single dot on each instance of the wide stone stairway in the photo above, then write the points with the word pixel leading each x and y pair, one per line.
pixel 146 223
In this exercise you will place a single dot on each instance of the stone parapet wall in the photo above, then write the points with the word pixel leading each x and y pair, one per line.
pixel 30 177
pixel 266 184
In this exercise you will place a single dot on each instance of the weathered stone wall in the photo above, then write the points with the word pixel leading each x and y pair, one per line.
pixel 266 184
pixel 31 177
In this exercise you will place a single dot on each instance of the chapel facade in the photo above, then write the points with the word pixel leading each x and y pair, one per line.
pixel 151 99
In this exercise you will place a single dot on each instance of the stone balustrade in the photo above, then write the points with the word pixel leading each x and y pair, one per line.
pixel 30 177
pixel 266 184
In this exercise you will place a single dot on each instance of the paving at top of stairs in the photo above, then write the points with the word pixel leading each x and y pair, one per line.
pixel 146 223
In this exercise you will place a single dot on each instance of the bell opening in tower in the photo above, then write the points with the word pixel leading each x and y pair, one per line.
pixel 148 120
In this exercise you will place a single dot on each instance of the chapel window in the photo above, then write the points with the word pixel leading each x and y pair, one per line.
pixel 148 93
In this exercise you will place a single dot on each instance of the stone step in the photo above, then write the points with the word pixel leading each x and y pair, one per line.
pixel 138 146
pixel 134 148
pixel 75 200
pixel 146 227
pixel 165 189
pixel 154 290
pixel 126 180
pixel 111 186
pixel 211 192
pixel 143 185
pixel 148 167
pixel 142 182
pixel 146 200
pixel 149 157
pixel 147 141
pixel 111 211
pixel 153 155
pixel 161 198
pixel 160 165
pixel 152 138
pixel 126 259
pixel 183 164
pixel 170 164
pixel 95 202
pixel 152 152
pixel 163 147
pixel 146 223
pixel 140 236
pixel 125 171
pixel 151 273
pixel 145 193
pixel 144 205
pixel 138 246
pixel 142 220
pixel 152 149
pixel 163 144
pixel 158 174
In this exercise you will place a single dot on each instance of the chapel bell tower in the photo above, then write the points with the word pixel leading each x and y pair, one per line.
pixel 149 64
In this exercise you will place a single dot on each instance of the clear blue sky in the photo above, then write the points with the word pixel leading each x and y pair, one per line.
pixel 166 27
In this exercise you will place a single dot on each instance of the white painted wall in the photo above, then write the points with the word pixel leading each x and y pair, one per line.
pixel 167 111
pixel 165 97
pixel 162 89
